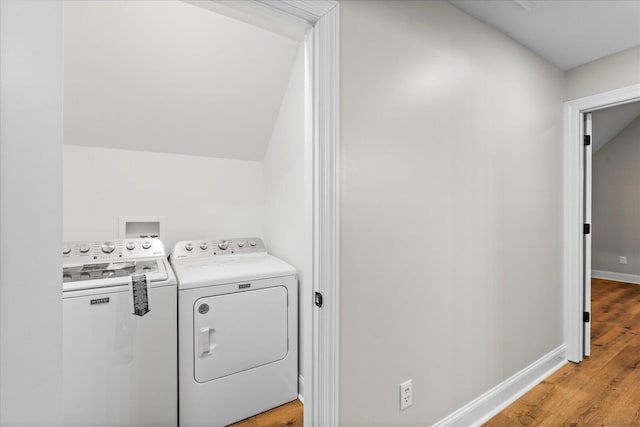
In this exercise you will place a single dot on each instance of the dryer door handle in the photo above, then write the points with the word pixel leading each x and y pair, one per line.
pixel 204 341
pixel 205 336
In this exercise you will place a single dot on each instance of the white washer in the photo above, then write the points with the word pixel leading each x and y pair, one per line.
pixel 119 369
pixel 238 330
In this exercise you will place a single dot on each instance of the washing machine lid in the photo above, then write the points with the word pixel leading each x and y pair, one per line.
pixel 200 272
pixel 117 273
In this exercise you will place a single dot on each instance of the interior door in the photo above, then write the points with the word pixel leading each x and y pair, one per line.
pixel 588 144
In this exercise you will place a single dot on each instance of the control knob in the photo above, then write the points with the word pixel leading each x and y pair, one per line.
pixel 241 244
pixel 66 250
pixel 188 247
pixel 84 249
pixel 131 246
pixel 146 245
pixel 223 245
pixel 204 246
pixel 253 243
pixel 108 247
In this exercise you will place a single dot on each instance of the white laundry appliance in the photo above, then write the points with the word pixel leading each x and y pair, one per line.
pixel 238 330
pixel 119 368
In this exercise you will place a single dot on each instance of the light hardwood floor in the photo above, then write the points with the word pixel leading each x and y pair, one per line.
pixel 604 390
pixel 289 415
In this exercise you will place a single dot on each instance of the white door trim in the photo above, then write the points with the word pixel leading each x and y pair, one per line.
pixel 326 250
pixel 586 238
pixel 574 208
pixel 321 355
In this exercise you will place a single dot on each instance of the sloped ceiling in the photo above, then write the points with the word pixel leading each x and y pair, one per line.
pixel 167 76
pixel 567 33
pixel 609 122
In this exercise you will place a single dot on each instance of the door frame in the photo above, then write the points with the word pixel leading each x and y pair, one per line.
pixel 587 187
pixel 574 208
pixel 322 253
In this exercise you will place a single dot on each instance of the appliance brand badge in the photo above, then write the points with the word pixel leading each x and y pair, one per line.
pixel 99 301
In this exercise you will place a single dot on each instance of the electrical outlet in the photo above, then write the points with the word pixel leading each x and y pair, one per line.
pixel 623 260
pixel 406 394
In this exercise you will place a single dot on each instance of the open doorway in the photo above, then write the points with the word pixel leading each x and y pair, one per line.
pixel 612 208
pixel 616 193
pixel 34 32
pixel 577 223
pixel 197 120
pixel 319 157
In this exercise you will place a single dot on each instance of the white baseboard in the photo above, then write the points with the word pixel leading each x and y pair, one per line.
pixel 618 277
pixel 301 388
pixel 486 406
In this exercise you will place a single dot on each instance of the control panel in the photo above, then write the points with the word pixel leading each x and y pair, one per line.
pixel 204 248
pixel 111 250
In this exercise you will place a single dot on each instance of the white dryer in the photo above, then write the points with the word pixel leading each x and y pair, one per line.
pixel 119 368
pixel 237 330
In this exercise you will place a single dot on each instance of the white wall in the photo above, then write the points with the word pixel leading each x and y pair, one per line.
pixel 451 226
pixel 166 76
pixel 616 202
pixel 199 197
pixel 284 185
pixel 31 212
pixel 612 72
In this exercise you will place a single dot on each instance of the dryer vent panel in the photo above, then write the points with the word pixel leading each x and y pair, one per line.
pixel 136 227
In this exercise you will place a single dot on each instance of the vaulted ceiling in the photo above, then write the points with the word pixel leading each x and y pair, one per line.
pixel 168 76
pixel 609 122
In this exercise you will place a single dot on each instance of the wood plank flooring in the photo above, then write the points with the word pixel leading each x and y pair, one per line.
pixel 604 390
pixel 289 415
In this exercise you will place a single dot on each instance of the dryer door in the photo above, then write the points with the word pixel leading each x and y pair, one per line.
pixel 239 331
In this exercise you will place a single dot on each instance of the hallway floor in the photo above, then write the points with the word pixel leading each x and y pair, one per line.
pixel 287 415
pixel 604 390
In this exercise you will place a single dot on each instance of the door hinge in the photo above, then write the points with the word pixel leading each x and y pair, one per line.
pixel 318 299
pixel 587 140
pixel 586 317
pixel 587 229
